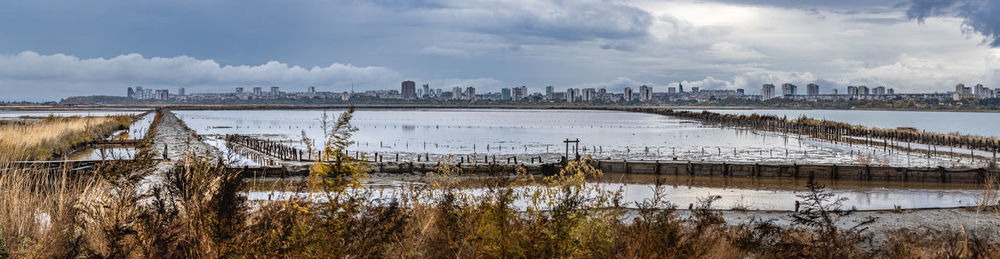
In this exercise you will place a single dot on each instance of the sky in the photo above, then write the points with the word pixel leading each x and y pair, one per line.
pixel 54 49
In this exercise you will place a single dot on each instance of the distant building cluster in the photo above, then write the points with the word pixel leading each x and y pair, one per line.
pixel 643 94
pixel 862 92
pixel 151 94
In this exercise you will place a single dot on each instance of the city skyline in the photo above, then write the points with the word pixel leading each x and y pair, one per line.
pixel 646 94
pixel 914 46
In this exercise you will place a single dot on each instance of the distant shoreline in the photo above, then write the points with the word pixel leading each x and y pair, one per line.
pixel 433 106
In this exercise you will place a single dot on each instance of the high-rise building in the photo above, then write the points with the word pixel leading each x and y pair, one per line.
pixel 671 90
pixel 891 91
pixel 180 91
pixel 239 90
pixel 767 91
pixel 456 93
pixel 853 90
pixel 680 88
pixel 627 94
pixel 645 93
pixel 519 93
pixel 275 91
pixel 788 89
pixel 312 89
pixel 470 93
pixel 835 91
pixel 257 91
pixel 572 94
pixel 589 94
pixel 130 93
pixel 427 91
pixel 409 90
pixel 602 93
pixel 739 91
pixel 139 93
pixel 961 89
pixel 162 94
pixel 878 90
pixel 505 94
pixel 548 92
pixel 812 89
pixel 863 90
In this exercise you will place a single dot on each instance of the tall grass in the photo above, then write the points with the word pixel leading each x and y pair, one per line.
pixel 54 136
pixel 201 210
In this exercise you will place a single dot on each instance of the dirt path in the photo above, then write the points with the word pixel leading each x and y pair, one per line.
pixel 178 141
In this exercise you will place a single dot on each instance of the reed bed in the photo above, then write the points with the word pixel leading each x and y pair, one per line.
pixel 55 137
pixel 201 210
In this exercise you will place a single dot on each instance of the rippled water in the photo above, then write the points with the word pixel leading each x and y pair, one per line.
pixel 14 115
pixel 603 134
pixel 745 193
pixel 975 123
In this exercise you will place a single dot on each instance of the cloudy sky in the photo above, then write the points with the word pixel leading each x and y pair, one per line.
pixel 54 49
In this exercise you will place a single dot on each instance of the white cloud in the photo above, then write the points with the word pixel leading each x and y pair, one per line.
pixel 72 75
pixel 733 51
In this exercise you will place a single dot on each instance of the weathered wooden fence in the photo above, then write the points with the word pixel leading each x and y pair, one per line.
pixel 268 147
pixel 834 130
pixel 820 171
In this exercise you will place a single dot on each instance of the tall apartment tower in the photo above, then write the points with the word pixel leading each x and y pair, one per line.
pixel 470 93
pixel 627 94
pixel 275 91
pixel 180 91
pixel 130 93
pixel 312 89
pixel 853 90
pixel 519 93
pixel 456 93
pixel 257 91
pixel 788 89
pixel 589 94
pixel 645 93
pixel 572 94
pixel 427 90
pixel 239 90
pixel 878 90
pixel 812 89
pixel 409 90
pixel 961 89
pixel 767 91
pixel 548 92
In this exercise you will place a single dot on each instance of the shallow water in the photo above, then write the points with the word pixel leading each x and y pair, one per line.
pixel 108 153
pixel 975 123
pixel 684 191
pixel 140 127
pixel 17 114
pixel 530 133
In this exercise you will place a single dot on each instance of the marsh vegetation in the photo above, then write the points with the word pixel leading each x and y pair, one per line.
pixel 200 209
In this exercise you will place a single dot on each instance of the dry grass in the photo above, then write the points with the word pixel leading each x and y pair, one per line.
pixel 201 211
pixel 54 136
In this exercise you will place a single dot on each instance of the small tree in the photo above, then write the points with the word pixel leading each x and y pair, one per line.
pixel 820 214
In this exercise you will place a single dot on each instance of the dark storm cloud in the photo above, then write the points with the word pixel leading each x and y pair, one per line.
pixel 981 16
pixel 531 21
pixel 814 4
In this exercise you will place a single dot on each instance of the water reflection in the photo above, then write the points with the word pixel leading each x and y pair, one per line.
pixel 682 191
pixel 603 134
